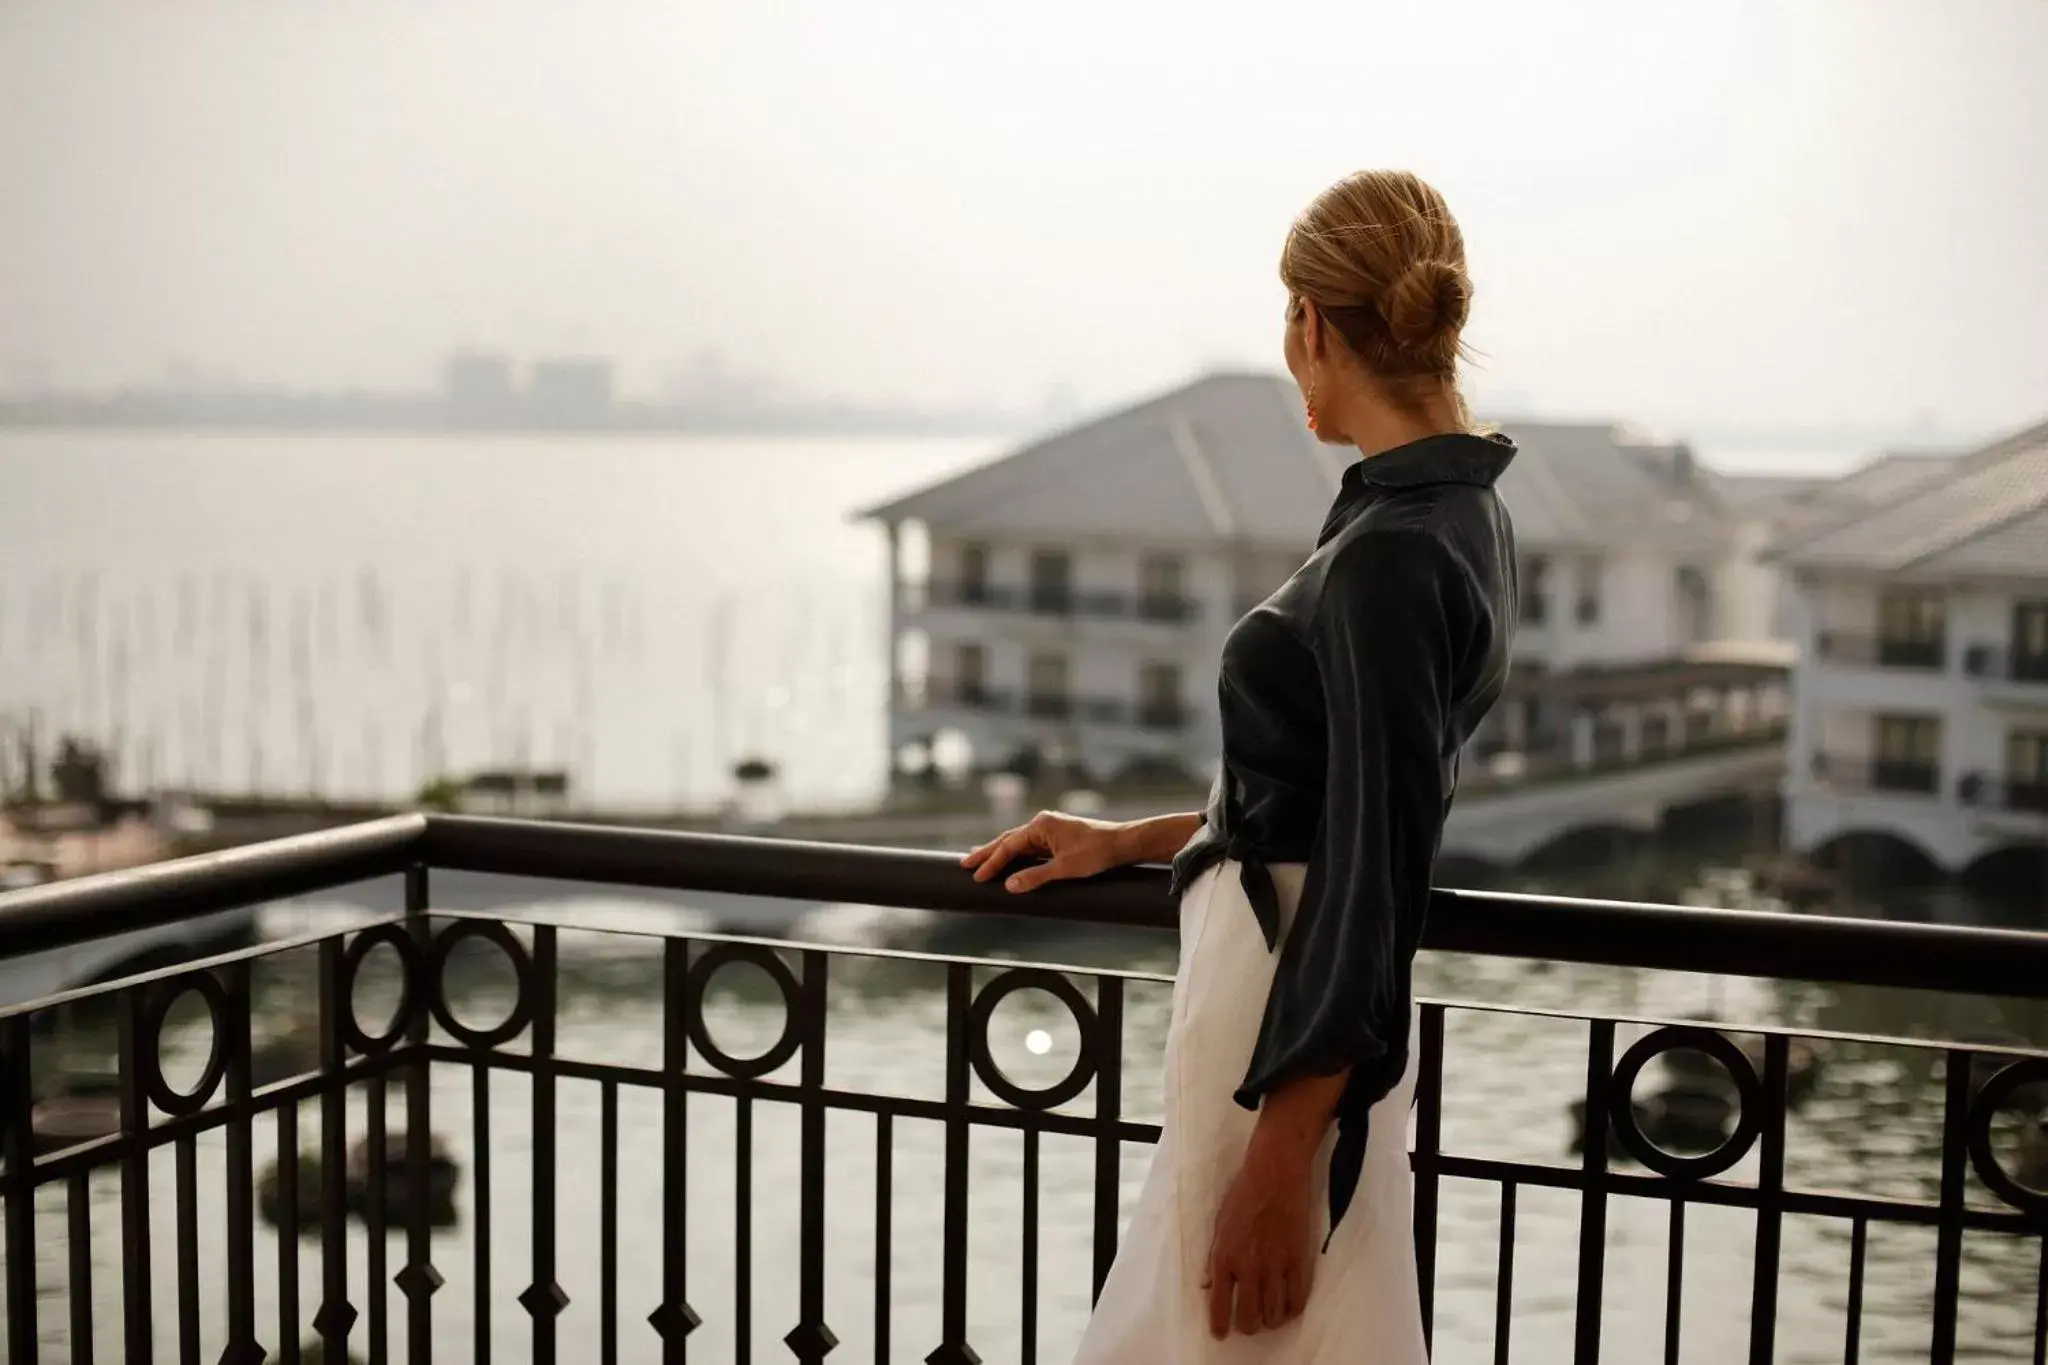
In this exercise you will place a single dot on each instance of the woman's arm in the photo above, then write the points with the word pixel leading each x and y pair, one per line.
pixel 1074 846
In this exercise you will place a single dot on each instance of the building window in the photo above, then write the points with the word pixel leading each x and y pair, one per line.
pixel 1048 693
pixel 1159 692
pixel 1911 628
pixel 1908 754
pixel 2026 770
pixel 1535 590
pixel 970 674
pixel 1052 581
pixel 1162 588
pixel 1588 608
pixel 973 573
pixel 2030 641
pixel 1695 604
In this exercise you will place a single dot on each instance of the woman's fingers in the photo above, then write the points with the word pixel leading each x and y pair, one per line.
pixel 999 854
pixel 1300 1279
pixel 1250 1311
pixel 1219 1282
pixel 1051 870
pixel 1273 1296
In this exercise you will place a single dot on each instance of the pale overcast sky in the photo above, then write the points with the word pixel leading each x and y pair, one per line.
pixel 1824 211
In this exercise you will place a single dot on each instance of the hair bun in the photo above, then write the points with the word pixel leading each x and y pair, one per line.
pixel 1425 302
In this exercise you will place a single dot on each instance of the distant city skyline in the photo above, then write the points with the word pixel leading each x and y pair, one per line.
pixel 497 388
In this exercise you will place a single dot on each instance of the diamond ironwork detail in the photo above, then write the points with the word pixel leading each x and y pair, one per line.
pixel 674 1321
pixel 811 1341
pixel 244 1352
pixel 334 1319
pixel 953 1353
pixel 419 1281
pixel 543 1299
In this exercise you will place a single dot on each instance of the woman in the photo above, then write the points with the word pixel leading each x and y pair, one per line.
pixel 1346 696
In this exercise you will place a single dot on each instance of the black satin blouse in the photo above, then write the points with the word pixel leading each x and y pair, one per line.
pixel 1346 697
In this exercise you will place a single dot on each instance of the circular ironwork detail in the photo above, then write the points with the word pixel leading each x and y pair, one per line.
pixel 768 960
pixel 155 1009
pixel 1749 1093
pixel 361 946
pixel 521 1013
pixel 1994 1095
pixel 983 1010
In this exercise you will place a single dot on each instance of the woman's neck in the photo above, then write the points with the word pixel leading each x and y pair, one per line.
pixel 1382 427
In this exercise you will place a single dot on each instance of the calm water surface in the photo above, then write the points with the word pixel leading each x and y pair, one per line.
pixel 351 614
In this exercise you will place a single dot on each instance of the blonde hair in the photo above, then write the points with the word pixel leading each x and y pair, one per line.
pixel 1381 257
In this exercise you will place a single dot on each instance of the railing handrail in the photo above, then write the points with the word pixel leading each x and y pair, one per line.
pixel 1847 951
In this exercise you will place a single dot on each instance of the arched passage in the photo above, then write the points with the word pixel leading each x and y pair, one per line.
pixel 1873 858
pixel 2015 878
pixel 1590 845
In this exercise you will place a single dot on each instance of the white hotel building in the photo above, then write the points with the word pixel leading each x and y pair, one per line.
pixel 1922 691
pixel 1075 594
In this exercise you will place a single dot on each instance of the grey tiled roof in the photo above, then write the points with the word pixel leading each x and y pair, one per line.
pixel 1985 515
pixel 1228 457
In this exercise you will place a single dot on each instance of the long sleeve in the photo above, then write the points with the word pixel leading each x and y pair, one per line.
pixel 1389 630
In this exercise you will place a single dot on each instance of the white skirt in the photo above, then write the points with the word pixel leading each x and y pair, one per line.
pixel 1363 1308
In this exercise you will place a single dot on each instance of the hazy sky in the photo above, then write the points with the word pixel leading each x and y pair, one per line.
pixel 1785 212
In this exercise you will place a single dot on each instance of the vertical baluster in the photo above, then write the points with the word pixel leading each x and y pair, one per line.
pixel 336 1316
pixel 374 1215
pixel 241 1210
pixel 743 1231
pixel 885 1153
pixel 673 1318
pixel 1504 1277
pixel 288 1232
pixel 812 1338
pixel 1109 1101
pixel 1674 1281
pixel 419 1279
pixel 136 1316
pixel 1593 1193
pixel 1429 1088
pixel 1029 1308
pixel 1770 1183
pixel 1948 1250
pixel 1859 1236
pixel 480 1104
pixel 78 1200
pixel 17 1151
pixel 608 1223
pixel 2041 1308
pixel 953 1251
pixel 544 1298
pixel 187 1201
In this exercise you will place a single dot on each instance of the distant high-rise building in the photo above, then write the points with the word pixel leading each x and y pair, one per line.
pixel 569 390
pixel 477 385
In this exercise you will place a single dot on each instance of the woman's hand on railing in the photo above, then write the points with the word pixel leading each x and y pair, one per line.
pixel 1075 846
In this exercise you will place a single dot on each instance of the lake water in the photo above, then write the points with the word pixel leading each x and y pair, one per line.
pixel 351 614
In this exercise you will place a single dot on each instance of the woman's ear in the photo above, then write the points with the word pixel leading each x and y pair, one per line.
pixel 1311 333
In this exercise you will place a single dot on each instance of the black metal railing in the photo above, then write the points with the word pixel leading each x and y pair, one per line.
pixel 2004 793
pixel 557 1273
pixel 2006 665
pixel 1064 600
pixel 1056 706
pixel 1883 651
pixel 1856 773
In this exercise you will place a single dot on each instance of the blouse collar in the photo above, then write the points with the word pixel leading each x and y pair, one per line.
pixel 1454 457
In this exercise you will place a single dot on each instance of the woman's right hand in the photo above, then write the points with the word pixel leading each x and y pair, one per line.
pixel 1071 845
